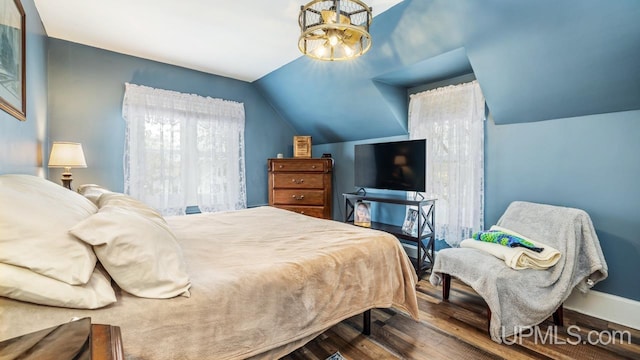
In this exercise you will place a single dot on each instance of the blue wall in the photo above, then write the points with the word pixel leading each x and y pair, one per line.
pixel 21 143
pixel 86 87
pixel 588 162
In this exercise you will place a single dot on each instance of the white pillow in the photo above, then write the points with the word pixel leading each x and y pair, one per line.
pixel 139 251
pixel 35 216
pixel 25 285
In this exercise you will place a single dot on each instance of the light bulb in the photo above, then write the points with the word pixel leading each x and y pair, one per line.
pixel 333 40
pixel 348 50
pixel 320 51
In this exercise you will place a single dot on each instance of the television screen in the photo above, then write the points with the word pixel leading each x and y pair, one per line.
pixel 396 165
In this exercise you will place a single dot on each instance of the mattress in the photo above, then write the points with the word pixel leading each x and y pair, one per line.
pixel 264 282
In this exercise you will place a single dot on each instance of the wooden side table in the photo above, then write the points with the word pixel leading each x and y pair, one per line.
pixel 106 342
pixel 425 225
pixel 73 340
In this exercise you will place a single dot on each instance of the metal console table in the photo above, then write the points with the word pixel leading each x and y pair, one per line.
pixel 426 220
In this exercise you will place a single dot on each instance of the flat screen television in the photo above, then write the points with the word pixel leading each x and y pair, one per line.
pixel 398 165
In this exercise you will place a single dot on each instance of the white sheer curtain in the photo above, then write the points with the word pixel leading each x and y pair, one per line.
pixel 452 120
pixel 183 149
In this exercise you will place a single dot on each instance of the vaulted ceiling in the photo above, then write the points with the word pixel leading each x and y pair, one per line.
pixel 241 39
pixel 535 60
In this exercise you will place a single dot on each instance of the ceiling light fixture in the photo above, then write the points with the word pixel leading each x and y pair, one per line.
pixel 335 29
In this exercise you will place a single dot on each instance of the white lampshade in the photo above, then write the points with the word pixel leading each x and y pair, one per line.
pixel 67 155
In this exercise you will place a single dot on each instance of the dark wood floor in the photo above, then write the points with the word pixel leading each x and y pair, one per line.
pixel 457 330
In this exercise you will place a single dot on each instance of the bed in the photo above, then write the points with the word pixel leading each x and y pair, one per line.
pixel 253 283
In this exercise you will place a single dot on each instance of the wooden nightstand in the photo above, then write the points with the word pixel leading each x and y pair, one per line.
pixel 73 340
pixel 106 342
pixel 301 185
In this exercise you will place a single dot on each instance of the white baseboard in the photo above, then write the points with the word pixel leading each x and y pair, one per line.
pixel 605 306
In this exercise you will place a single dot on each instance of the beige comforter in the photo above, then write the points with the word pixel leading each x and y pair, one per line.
pixel 265 281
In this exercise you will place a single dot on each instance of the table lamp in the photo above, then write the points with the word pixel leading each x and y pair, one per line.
pixel 66 155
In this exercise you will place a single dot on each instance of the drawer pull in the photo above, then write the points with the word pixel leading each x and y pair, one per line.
pixel 280 166
pixel 300 181
pixel 301 197
pixel 313 166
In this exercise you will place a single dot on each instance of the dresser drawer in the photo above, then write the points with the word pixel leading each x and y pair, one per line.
pixel 298 197
pixel 313 165
pixel 298 180
pixel 315 211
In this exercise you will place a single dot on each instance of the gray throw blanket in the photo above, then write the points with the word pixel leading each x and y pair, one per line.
pixel 521 298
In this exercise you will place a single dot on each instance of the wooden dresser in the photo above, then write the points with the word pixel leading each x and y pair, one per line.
pixel 301 185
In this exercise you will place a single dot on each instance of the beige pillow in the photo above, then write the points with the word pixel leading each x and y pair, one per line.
pixel 92 192
pixel 126 201
pixel 25 285
pixel 140 252
pixel 35 216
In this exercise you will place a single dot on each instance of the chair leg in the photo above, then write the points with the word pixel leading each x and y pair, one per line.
pixel 488 321
pixel 446 286
pixel 558 316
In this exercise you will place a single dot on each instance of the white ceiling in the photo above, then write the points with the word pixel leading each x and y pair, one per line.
pixel 241 39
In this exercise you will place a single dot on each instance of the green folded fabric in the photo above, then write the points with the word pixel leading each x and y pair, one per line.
pixel 506 239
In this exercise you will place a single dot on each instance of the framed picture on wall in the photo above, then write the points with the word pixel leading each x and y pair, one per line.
pixel 12 61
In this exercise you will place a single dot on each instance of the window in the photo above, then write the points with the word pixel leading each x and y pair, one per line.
pixel 452 121
pixel 182 150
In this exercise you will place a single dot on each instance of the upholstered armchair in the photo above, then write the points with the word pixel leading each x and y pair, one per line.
pixel 520 289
